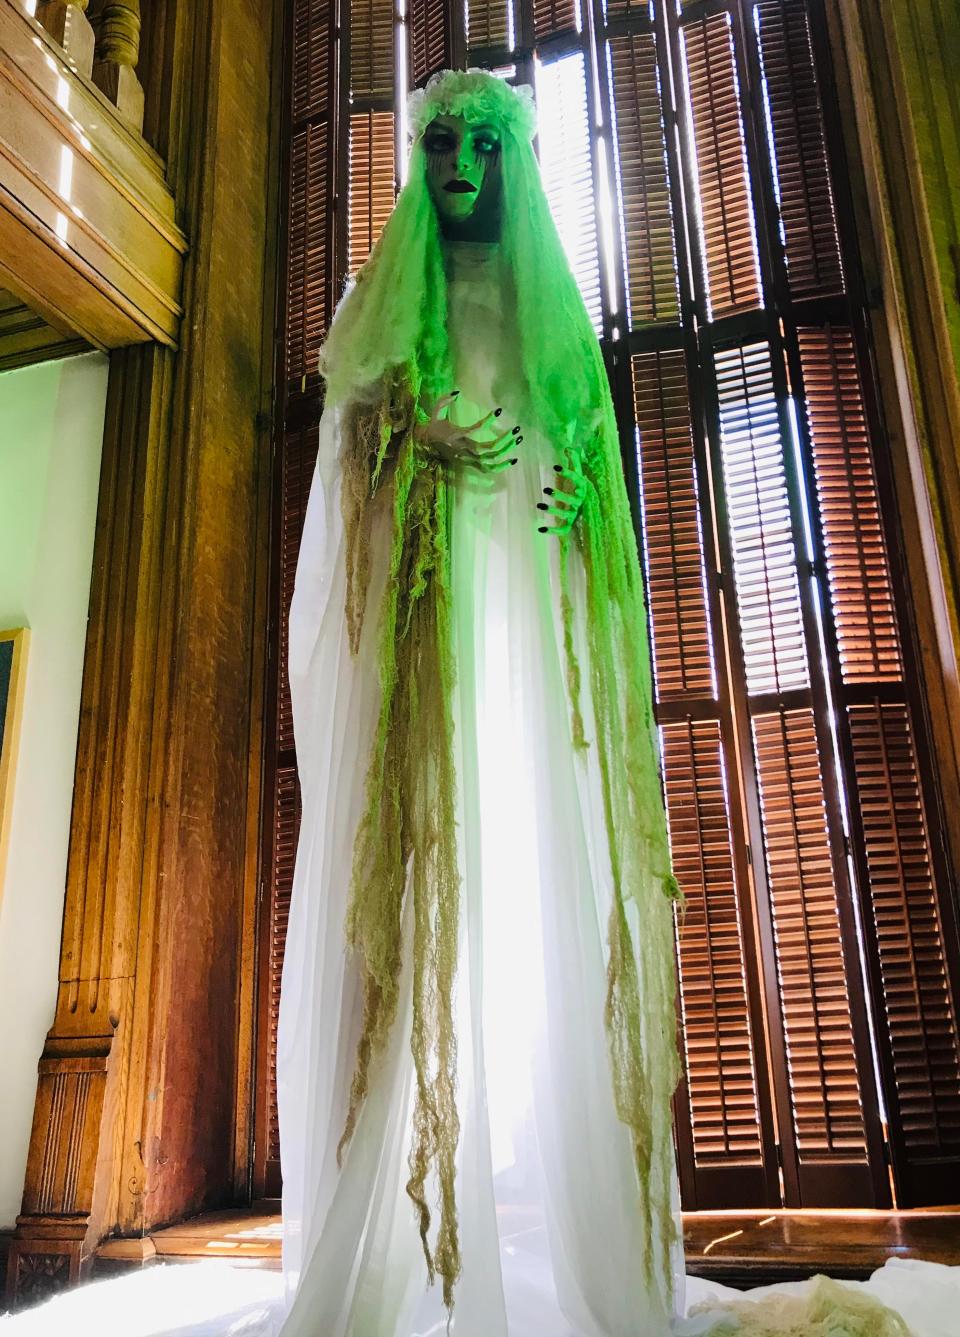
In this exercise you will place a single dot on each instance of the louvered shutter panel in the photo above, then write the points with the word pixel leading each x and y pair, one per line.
pixel 916 1010
pixel 683 656
pixel 567 166
pixel 371 49
pixel 372 181
pixel 431 39
pixel 717 1024
pixel 804 191
pixel 552 17
pixel 824 1087
pixel 725 213
pixel 490 24
pixel 640 159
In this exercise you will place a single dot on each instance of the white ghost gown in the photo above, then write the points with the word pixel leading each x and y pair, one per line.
pixel 548 1197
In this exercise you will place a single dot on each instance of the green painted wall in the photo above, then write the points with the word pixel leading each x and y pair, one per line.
pixel 51 433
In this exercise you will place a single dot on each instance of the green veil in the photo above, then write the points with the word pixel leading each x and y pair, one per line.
pixel 385 359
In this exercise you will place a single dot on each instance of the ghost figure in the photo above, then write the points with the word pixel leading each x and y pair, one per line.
pixel 477 1035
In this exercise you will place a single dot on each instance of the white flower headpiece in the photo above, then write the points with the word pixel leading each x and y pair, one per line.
pixel 476 95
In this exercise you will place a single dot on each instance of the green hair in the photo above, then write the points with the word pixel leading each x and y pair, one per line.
pixel 387 358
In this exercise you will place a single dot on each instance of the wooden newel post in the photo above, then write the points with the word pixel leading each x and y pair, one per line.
pixel 67 23
pixel 117 51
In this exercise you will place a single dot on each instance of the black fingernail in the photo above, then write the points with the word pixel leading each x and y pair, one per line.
pixel 456 392
pixel 513 461
pixel 519 439
pixel 543 529
pixel 497 412
pixel 549 491
pixel 516 429
pixel 558 468
pixel 542 506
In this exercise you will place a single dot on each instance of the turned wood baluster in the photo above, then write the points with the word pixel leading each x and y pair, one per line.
pixel 117 26
pixel 67 23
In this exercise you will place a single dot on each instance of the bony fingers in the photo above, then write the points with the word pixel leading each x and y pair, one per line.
pixel 485 420
pixel 566 498
pixel 444 402
pixel 553 510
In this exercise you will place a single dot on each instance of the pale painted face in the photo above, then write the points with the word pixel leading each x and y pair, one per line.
pixel 463 176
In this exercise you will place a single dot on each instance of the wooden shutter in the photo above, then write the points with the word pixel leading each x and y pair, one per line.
pixel 803 814
pixel 721 1077
pixel 567 165
pixel 489 24
pixel 371 49
pixel 901 873
pixel 722 193
pixel 682 640
pixel 760 521
pixel 640 159
pixel 431 39
pixel 340 189
pixel 372 181
pixel 554 17
pixel 803 186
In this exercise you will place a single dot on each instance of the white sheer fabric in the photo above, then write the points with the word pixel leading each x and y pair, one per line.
pixel 547 1191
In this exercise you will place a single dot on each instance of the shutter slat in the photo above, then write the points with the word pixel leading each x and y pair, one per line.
pixel 721 1079
pixel 725 209
pixel 641 165
pixel 805 196
pixel 673 544
pixel 764 558
pixel 372 181
pixel 814 994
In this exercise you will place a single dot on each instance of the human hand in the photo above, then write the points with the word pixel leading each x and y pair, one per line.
pixel 440 439
pixel 567 501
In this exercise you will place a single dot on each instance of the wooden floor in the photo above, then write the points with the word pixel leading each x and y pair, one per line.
pixel 737 1248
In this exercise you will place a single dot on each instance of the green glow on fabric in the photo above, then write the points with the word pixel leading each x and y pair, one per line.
pixel 387 357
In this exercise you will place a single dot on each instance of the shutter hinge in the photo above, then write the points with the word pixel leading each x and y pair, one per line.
pixel 779 1148
pixel 750 855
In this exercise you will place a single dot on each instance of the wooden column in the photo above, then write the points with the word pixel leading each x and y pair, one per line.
pixel 117 24
pixel 66 21
pixel 141 1113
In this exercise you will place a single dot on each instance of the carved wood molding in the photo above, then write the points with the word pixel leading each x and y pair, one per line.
pixel 26 337
pixel 88 232
pixel 142 1103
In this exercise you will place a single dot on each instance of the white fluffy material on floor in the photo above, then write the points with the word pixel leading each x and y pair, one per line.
pixel 219 1299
